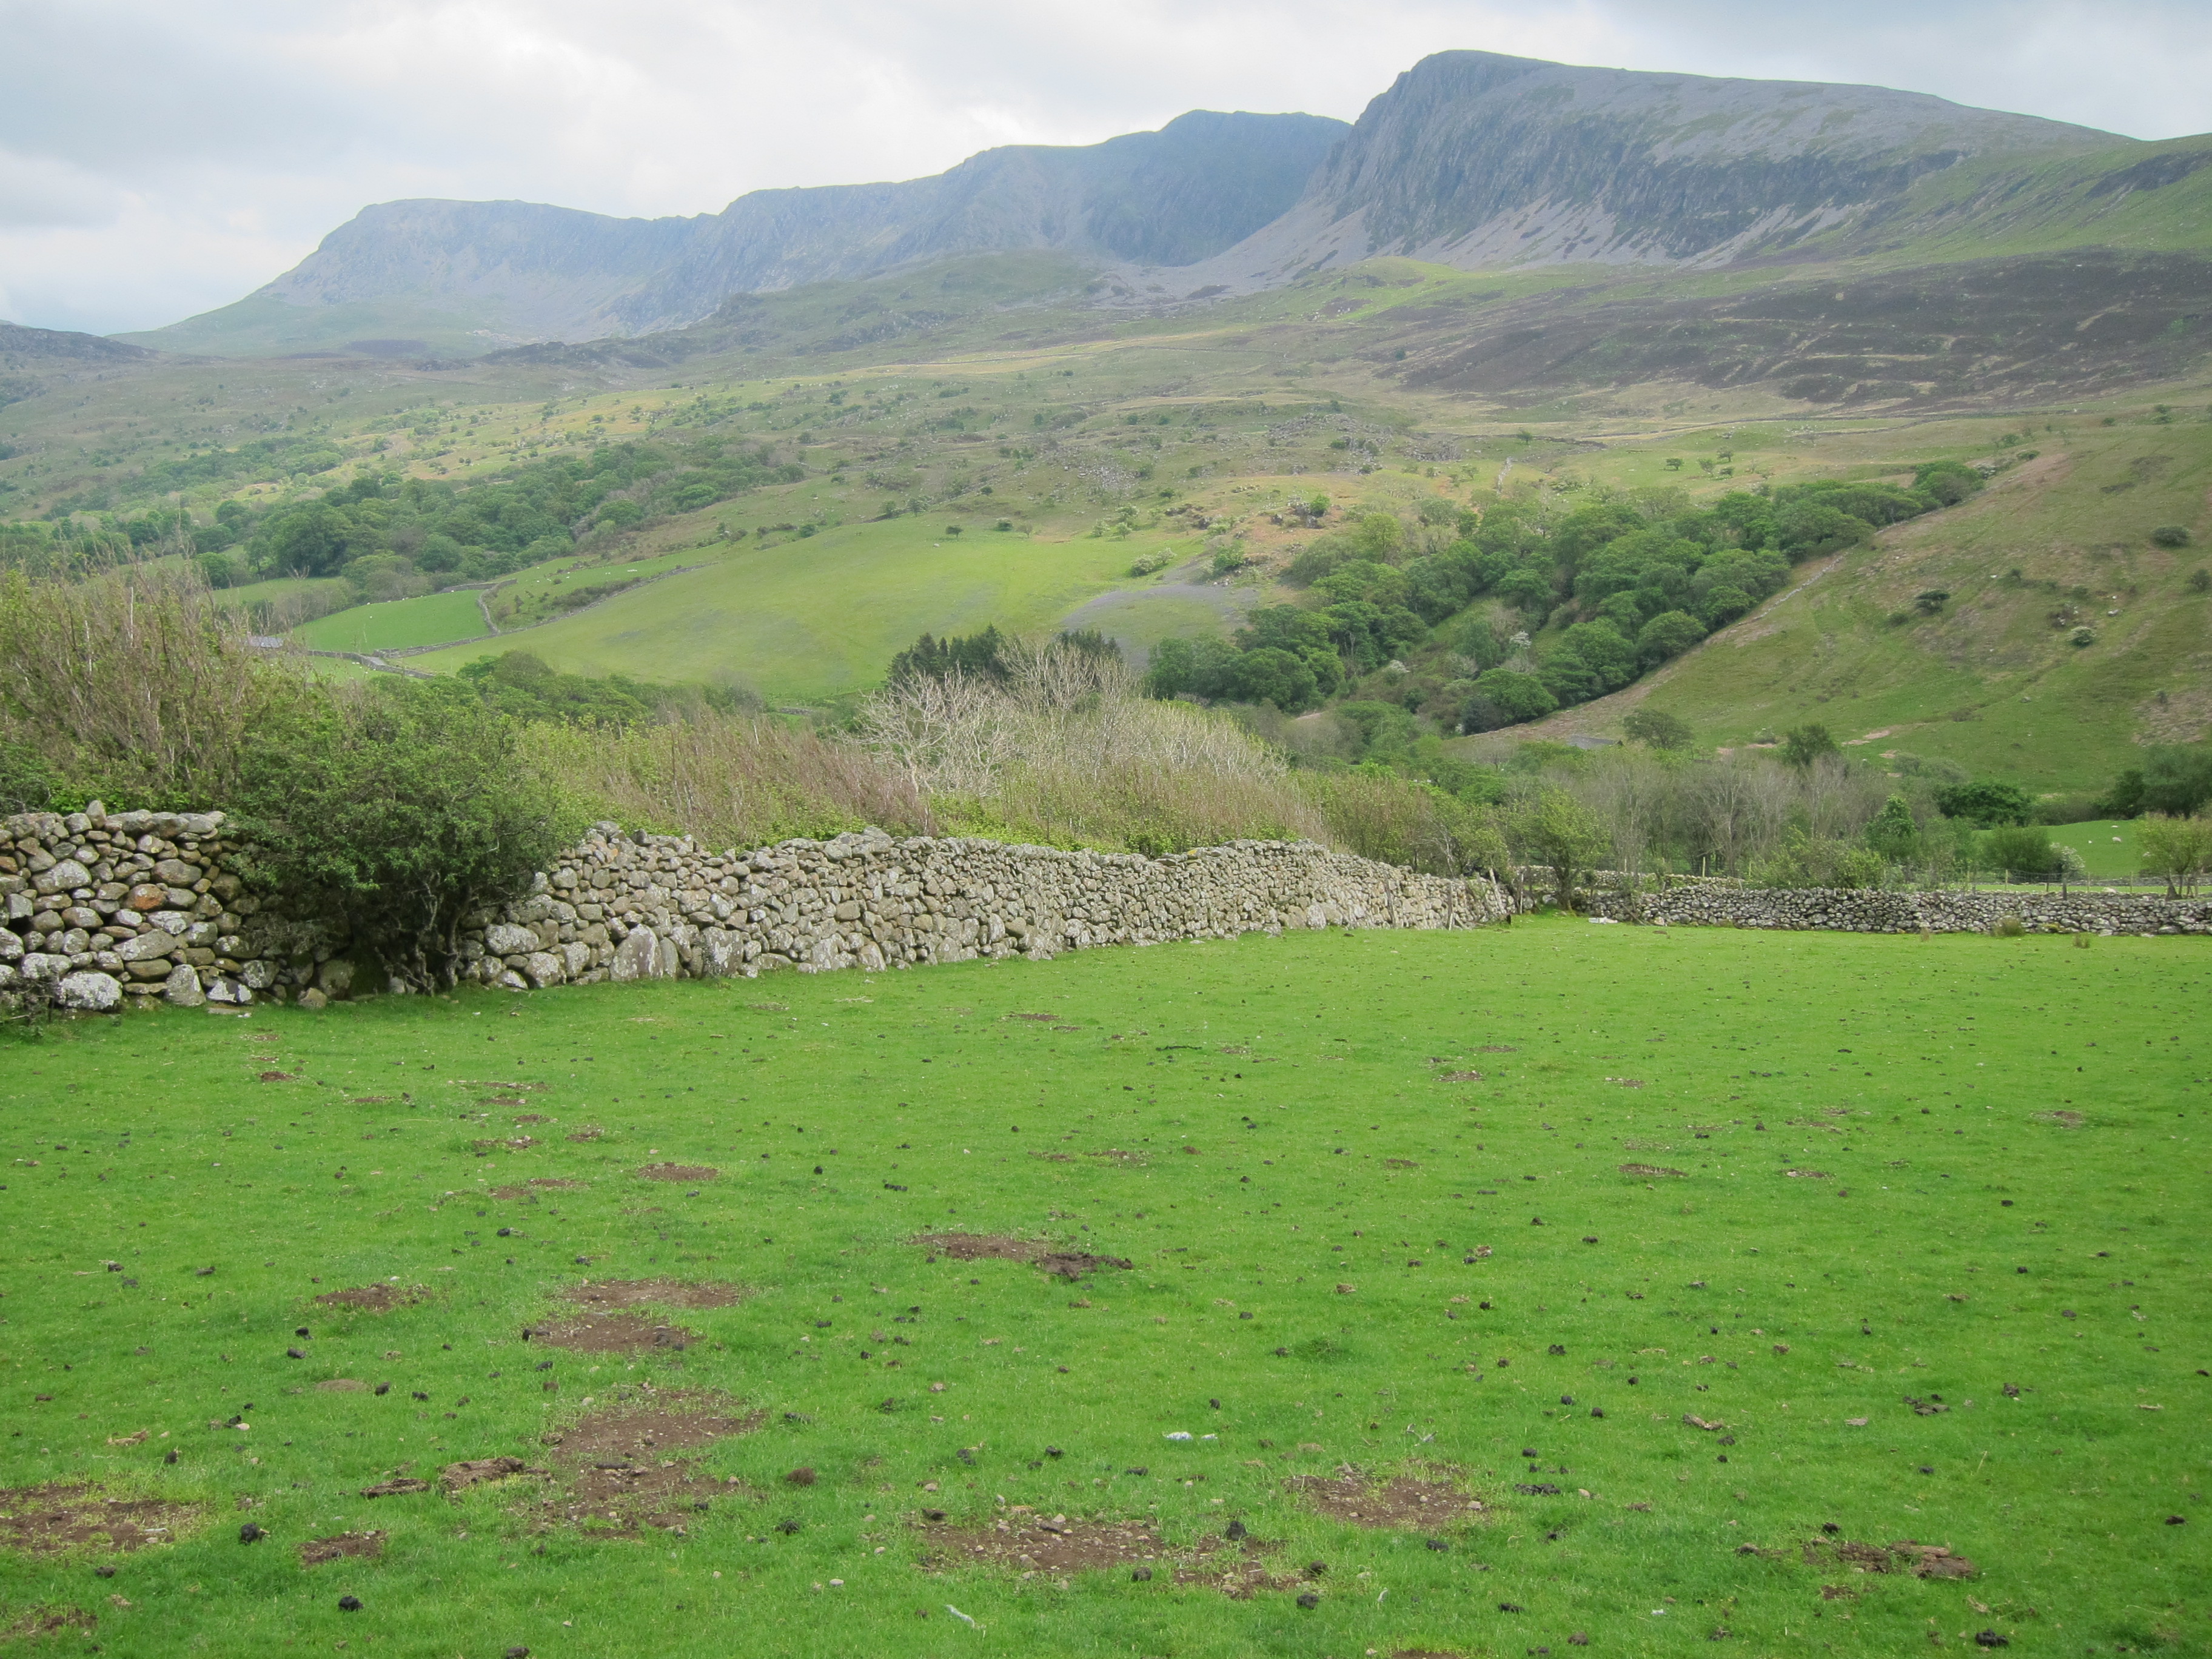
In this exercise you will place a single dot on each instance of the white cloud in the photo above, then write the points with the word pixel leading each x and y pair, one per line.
pixel 159 159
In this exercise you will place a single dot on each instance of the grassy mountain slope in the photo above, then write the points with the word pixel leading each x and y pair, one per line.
pixel 1994 681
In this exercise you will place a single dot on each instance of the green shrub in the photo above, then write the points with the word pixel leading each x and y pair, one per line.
pixel 396 809
pixel 2023 849
pixel 2171 534
pixel 1798 860
pixel 1656 731
pixel 1985 804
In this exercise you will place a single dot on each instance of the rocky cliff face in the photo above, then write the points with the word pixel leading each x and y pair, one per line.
pixel 1480 160
pixel 1202 183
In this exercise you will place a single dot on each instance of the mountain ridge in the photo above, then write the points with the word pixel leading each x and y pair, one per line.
pixel 518 272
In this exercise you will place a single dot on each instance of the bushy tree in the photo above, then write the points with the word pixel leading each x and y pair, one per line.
pixel 1804 744
pixel 1667 635
pixel 1799 860
pixel 1505 697
pixel 1894 833
pixel 2022 849
pixel 1275 676
pixel 1551 828
pixel 2177 848
pixel 1986 804
pixel 396 808
pixel 1656 731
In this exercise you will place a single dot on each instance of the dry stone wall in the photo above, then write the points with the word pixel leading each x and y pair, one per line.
pixel 1872 911
pixel 104 910
pixel 650 906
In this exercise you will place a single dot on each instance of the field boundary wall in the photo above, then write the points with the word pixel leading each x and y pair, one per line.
pixel 111 909
pixel 1890 911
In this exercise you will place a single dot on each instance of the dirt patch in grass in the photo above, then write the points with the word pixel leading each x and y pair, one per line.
pixel 342 1385
pixel 1904 1556
pixel 29 1626
pixel 56 1518
pixel 476 1470
pixel 622 1465
pixel 514 1143
pixel 399 1485
pixel 374 1298
pixel 589 1132
pixel 360 1546
pixel 540 1184
pixel 614 1332
pixel 1648 1170
pixel 676 1172
pixel 1403 1503
pixel 1118 1155
pixel 1048 1019
pixel 1035 1253
pixel 1056 1546
pixel 1237 1579
pixel 657 1293
pixel 1460 1077
pixel 2070 1119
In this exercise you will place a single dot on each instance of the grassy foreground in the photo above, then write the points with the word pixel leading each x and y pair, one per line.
pixel 1875 1171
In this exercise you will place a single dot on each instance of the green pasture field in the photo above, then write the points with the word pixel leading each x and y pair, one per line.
pixel 396 624
pixel 822 615
pixel 1914 1249
pixel 2108 847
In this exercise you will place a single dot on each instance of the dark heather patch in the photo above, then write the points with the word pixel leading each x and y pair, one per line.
pixel 53 1519
pixel 375 1298
pixel 1651 1169
pixel 609 1332
pixel 623 1465
pixel 657 1294
pixel 476 1470
pixel 366 1546
pixel 676 1172
pixel 1035 1253
pixel 1402 1503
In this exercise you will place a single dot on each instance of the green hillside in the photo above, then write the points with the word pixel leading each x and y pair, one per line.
pixel 262 326
pixel 812 618
pixel 2058 544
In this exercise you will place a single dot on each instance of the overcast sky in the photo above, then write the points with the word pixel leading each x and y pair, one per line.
pixel 162 157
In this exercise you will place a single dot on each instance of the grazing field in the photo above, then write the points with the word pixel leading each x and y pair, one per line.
pixel 396 624
pixel 1328 1295
pixel 2108 847
pixel 821 616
